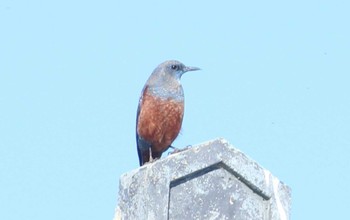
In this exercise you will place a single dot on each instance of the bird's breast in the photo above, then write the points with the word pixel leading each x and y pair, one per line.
pixel 159 120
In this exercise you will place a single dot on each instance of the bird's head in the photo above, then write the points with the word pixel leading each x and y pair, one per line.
pixel 165 79
pixel 174 68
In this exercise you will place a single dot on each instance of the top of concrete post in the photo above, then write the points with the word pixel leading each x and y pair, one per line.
pixel 212 180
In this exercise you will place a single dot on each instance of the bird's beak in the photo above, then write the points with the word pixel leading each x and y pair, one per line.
pixel 190 68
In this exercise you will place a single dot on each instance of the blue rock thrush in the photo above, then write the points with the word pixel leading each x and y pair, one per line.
pixel 160 110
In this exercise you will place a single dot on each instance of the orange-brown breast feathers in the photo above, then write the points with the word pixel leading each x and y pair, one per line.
pixel 159 121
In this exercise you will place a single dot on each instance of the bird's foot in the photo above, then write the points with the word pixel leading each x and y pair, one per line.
pixel 177 150
pixel 152 160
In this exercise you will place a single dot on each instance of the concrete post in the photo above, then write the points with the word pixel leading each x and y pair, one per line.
pixel 212 180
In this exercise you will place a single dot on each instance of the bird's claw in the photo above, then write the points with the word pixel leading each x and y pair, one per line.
pixel 151 160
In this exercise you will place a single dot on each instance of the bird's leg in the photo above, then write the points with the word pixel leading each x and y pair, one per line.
pixel 150 156
pixel 177 150
pixel 172 147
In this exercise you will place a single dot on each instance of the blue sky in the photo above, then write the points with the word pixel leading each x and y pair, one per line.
pixel 274 83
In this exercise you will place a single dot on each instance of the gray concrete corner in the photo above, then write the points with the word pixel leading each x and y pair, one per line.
pixel 212 180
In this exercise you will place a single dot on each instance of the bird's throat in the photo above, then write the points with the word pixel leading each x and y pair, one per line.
pixel 174 92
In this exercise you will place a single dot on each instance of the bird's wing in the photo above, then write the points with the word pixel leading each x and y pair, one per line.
pixel 142 145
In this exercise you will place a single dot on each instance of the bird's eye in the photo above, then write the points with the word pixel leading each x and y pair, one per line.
pixel 174 67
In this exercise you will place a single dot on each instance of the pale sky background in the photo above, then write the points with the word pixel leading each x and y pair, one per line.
pixel 274 83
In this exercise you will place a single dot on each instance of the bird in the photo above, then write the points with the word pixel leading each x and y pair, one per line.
pixel 160 110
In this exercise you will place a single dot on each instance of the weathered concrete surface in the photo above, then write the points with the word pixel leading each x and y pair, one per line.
pixel 213 180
